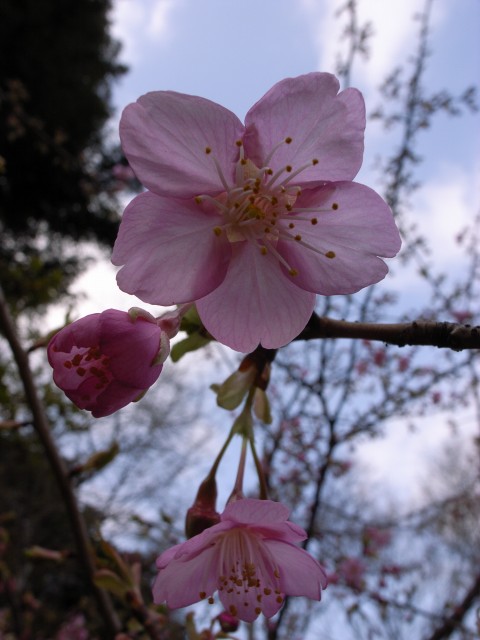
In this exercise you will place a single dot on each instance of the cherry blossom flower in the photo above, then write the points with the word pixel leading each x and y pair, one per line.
pixel 251 221
pixel 250 557
pixel 106 360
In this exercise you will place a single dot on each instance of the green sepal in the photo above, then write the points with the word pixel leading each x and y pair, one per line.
pixel 190 343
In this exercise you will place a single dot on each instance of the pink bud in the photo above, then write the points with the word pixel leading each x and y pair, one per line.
pixel 228 623
pixel 202 514
pixel 106 360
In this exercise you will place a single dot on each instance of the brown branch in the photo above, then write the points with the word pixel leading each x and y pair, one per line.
pixel 444 335
pixel 41 426
pixel 455 619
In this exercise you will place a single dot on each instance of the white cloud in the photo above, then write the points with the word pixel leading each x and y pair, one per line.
pixel 133 22
pixel 127 19
pixel 445 207
pixel 160 17
pixel 394 31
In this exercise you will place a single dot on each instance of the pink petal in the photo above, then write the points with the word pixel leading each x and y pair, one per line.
pixel 193 546
pixel 164 136
pixel 115 397
pixel 169 250
pixel 255 303
pixel 65 377
pixel 81 333
pixel 361 229
pixel 300 574
pixel 131 347
pixel 252 511
pixel 286 531
pixel 322 125
pixel 180 584
pixel 269 518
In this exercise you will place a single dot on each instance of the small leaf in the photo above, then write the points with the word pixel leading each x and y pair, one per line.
pixel 109 581
pixel 191 343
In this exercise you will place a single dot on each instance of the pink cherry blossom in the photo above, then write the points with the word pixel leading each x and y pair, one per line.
pixel 250 557
pixel 106 360
pixel 251 221
pixel 351 571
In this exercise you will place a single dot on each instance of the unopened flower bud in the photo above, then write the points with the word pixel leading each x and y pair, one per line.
pixel 202 514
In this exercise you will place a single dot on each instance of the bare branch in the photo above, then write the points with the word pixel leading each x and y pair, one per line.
pixel 41 426
pixel 453 621
pixel 444 335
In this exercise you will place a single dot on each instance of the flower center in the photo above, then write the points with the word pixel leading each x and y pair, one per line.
pixel 90 363
pixel 259 207
pixel 247 574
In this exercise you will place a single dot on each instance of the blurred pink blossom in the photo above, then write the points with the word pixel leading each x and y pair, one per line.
pixel 462 316
pixel 106 360
pixel 375 539
pixel 351 572
pixel 250 557
pixel 123 172
pixel 251 221
pixel 73 629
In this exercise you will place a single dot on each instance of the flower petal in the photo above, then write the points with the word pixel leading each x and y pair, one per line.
pixel 164 136
pixel 322 125
pixel 182 583
pixel 115 397
pixel 359 230
pixel 300 574
pixel 81 333
pixel 131 346
pixel 251 510
pixel 169 250
pixel 255 303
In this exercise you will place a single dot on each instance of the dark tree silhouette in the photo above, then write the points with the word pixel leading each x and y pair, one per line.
pixel 57 64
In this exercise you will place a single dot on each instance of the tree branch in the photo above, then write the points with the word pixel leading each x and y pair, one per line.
pixel 455 619
pixel 444 335
pixel 41 426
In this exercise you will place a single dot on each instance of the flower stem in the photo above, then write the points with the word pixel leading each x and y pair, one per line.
pixel 260 473
pixel 238 486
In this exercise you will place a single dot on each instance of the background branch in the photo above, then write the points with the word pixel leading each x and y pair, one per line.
pixel 41 426
pixel 454 621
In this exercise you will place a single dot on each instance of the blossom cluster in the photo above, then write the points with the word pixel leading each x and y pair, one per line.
pixel 248 222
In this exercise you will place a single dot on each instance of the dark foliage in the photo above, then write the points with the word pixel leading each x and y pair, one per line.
pixel 57 64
